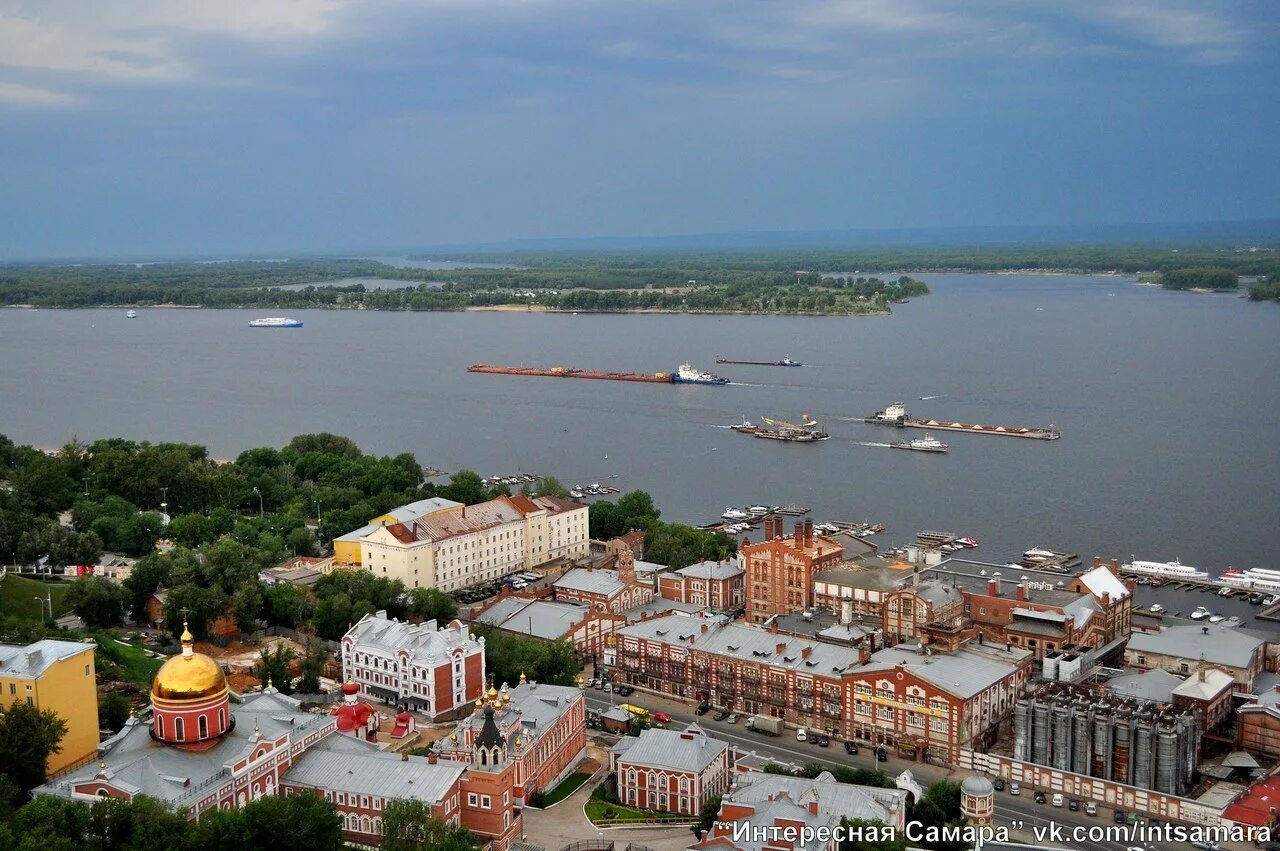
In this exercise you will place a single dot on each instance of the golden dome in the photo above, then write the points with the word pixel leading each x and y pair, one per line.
pixel 493 692
pixel 189 676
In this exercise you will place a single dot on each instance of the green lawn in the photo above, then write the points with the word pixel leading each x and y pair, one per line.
pixel 595 810
pixel 125 661
pixel 18 593
pixel 566 788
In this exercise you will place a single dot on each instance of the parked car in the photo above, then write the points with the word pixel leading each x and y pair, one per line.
pixel 1073 805
pixel 822 740
pixel 998 784
pixel 1090 808
pixel 591 683
pixel 608 687
pixel 1015 788
pixel 624 690
pixel 1057 799
pixel 733 718
pixel 721 715
pixel 599 685
pixel 1040 796
pixel 703 709
pixel 851 747
pixel 662 717
pixel 1119 817
pixel 802 735
pixel 882 755
pixel 1207 846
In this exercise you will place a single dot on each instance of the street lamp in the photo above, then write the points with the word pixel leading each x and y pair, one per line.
pixel 261 512
pixel 319 505
pixel 164 500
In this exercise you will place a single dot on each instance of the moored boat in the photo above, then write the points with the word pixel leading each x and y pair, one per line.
pixel 1173 569
pixel 275 322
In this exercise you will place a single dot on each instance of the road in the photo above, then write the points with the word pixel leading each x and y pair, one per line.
pixel 1020 813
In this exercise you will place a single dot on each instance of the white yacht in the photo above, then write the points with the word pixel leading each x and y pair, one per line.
pixel 1257 579
pixel 1200 613
pixel 1172 569
pixel 1156 609
pixel 132 314
pixel 735 514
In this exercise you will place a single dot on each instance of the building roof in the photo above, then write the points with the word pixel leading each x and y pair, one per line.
pixel 423 642
pixel 34 659
pixel 464 520
pixel 557 504
pixel 726 569
pixel 1216 644
pixel 690 749
pixel 965 672
pixel 405 514
pixel 1205 684
pixel 1155 684
pixel 872 574
pixel 333 764
pixel 604 583
pixel 834 799
pixel 648 567
pixel 549 619
pixel 745 642
pixel 661 606
pixel 1100 580
pixel 1039 586
pixel 535 707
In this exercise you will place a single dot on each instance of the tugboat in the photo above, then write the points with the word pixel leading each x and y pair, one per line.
pixel 928 443
pixel 790 362
pixel 686 374
pixel 746 426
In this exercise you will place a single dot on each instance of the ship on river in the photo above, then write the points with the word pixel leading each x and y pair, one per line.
pixel 896 415
pixel 686 374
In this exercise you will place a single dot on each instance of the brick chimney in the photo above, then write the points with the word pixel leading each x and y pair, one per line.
pixel 1115 565
pixel 1021 592
pixel 773 627
pixel 704 629
pixel 806 652
pixel 404 756
pixel 993 587
pixel 780 647
pixel 1097 561
pixel 627 567
pixel 799 534
pixel 864 654
pixel 431 757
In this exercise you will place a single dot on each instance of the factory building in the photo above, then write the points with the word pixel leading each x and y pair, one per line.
pixel 1137 742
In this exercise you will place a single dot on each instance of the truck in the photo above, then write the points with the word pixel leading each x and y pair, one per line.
pixel 764 724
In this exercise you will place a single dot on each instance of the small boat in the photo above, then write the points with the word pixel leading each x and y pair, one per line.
pixel 928 443
pixel 758 510
pixel 967 542
pixel 132 314
pixel 1200 613
pixel 790 362
pixel 687 374
pixel 575 493
pixel 746 426
pixel 1224 592
pixel 1233 620
pixel 1272 600
pixel 1217 618
pixel 1156 609
pixel 275 322
pixel 734 514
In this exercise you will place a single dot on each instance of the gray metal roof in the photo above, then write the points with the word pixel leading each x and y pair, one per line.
pixel 690 749
pixel 1220 645
pixel 535 706
pixel 726 569
pixel 964 673
pixel 833 799
pixel 1154 685
pixel 661 605
pixel 549 619
pixel 423 641
pixel 742 641
pixel 34 659
pixel 374 772
pixel 404 514
pixel 603 582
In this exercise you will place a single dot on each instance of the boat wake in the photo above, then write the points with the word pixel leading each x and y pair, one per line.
pixel 749 384
pixel 927 398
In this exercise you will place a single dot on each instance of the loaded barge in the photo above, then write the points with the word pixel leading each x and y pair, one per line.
pixel 896 415
pixel 783 362
pixel 686 374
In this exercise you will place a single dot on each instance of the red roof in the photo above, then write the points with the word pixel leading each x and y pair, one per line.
pixel 523 504
pixel 1257 806
pixel 402 534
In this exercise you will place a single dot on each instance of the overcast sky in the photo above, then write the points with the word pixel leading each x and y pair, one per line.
pixel 249 126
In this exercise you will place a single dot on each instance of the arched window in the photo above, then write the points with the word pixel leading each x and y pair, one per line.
pixel 364 824
pixel 222 720
pixel 377 826
pixel 204 727
pixel 160 726
pixel 178 731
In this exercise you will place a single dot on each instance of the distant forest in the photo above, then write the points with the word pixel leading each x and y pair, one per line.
pixel 795 281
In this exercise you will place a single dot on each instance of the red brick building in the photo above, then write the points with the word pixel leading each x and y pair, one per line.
pixel 711 584
pixel 923 702
pixel 779 570
pixel 674 771
pixel 615 590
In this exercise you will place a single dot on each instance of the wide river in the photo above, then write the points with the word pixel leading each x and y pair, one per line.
pixel 1168 403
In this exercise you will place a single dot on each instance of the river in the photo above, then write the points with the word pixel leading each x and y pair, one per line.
pixel 1168 405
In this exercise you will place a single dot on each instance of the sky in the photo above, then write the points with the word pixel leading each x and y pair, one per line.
pixel 172 127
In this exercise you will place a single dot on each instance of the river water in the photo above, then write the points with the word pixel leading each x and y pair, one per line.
pixel 1168 404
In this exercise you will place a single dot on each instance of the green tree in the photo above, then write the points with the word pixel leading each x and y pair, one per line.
pixel 247 606
pixel 28 736
pixel 203 606
pixel 139 824
pixel 407 825
pixel 191 530
pixel 275 666
pixel 313 661
pixel 551 486
pixel 864 835
pixel 97 600
pixel 465 486
pixel 277 823
pixel 432 604
pixel 52 823
pixel 113 711
pixel 508 655
pixel 707 817
pixel 287 605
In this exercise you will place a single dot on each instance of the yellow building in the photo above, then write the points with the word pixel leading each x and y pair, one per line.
pixel 346 548
pixel 56 675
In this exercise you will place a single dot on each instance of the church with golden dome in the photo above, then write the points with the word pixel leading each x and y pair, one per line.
pixel 197 749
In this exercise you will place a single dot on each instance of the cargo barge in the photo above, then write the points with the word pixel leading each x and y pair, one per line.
pixel 783 362
pixel 567 372
pixel 896 415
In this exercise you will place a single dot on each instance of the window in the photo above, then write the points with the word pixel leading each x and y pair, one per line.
pixel 472 799
pixel 485 802
pixel 177 727
pixel 204 726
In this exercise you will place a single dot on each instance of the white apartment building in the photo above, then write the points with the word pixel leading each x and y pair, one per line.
pixel 461 546
pixel 438 671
